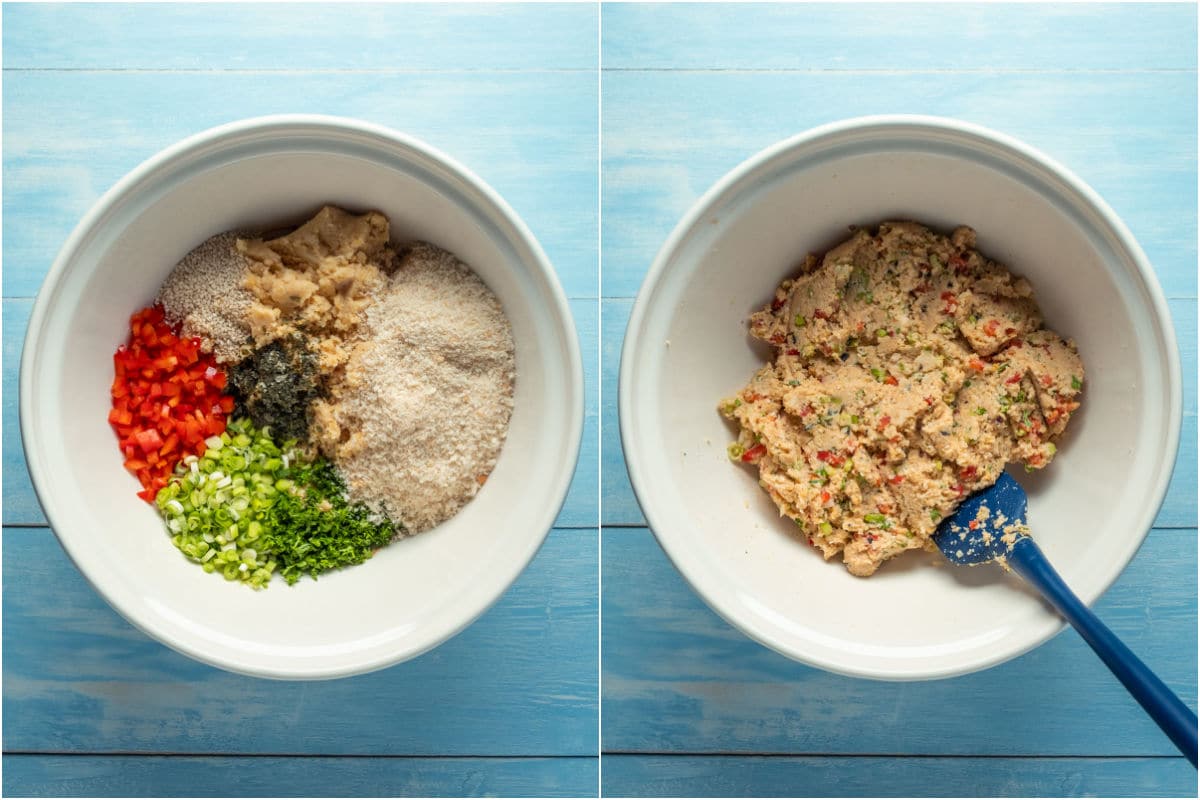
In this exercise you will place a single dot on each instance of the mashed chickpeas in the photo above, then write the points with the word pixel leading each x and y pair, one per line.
pixel 909 370
pixel 319 279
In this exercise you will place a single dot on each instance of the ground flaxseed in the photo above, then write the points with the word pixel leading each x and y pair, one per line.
pixel 204 295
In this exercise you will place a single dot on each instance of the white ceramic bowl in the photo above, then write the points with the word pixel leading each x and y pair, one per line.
pixel 687 347
pixel 264 172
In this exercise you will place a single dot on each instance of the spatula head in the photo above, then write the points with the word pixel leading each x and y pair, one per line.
pixel 986 525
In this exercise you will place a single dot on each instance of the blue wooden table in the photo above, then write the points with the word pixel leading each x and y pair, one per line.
pixel 91 706
pixel 692 707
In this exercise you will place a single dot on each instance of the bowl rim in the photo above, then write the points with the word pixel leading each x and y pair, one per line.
pixel 308 124
pixel 829 133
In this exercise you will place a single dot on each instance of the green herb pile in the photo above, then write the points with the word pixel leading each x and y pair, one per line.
pixel 317 530
pixel 250 507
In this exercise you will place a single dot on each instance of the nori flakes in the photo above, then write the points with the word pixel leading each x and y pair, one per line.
pixel 276 385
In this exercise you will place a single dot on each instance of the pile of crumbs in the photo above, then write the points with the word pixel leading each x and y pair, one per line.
pixel 205 297
pixel 1008 532
pixel 419 418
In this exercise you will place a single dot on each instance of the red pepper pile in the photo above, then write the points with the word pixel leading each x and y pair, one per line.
pixel 167 399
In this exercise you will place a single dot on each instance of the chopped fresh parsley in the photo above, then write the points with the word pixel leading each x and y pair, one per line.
pixel 319 529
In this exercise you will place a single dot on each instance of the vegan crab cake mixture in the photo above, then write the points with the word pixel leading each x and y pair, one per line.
pixel 909 370
pixel 292 404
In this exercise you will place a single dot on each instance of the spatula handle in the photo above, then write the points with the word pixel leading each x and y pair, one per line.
pixel 1176 719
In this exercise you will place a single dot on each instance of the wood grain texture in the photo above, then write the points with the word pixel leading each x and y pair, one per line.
pixel 913 36
pixel 510 706
pixel 325 36
pixel 69 136
pixel 255 776
pixel 830 776
pixel 20 502
pixel 521 681
pixel 619 505
pixel 580 509
pixel 678 679
pixel 688 93
pixel 668 136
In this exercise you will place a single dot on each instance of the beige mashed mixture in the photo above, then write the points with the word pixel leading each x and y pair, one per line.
pixel 909 370
pixel 319 279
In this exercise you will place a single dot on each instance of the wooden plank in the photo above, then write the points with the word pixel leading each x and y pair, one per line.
pixel 245 36
pixel 831 776
pixel 520 681
pixel 619 506
pixel 68 137
pixel 908 36
pixel 677 679
pixel 668 136
pixel 580 509
pixel 255 776
pixel 20 502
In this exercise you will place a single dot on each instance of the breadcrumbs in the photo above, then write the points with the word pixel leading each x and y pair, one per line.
pixel 417 422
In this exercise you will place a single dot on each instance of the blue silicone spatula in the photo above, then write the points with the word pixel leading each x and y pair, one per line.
pixel 971 537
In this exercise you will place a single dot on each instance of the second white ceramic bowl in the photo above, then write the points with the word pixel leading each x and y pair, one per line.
pixel 686 347
pixel 263 173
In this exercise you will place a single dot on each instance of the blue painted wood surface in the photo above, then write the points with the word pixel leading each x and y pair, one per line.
pixel 330 37
pixel 901 36
pixel 689 91
pixel 831 776
pixel 258 776
pixel 691 706
pixel 508 707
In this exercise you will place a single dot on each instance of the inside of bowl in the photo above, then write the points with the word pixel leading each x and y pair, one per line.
pixel 915 617
pixel 412 594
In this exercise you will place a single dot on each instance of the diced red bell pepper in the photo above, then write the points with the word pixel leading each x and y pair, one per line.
pixel 755 452
pixel 148 439
pixel 167 397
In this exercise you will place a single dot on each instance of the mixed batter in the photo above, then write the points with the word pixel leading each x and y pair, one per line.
pixel 909 371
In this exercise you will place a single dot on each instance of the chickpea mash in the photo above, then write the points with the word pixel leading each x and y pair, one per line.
pixel 909 370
